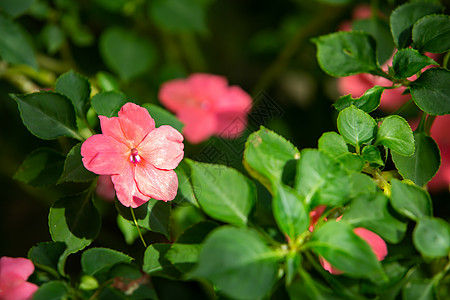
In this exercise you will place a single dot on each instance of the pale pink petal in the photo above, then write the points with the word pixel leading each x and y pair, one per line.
pixel 163 148
pixel 157 184
pixel 207 88
pixel 355 85
pixel 440 130
pixel 176 95
pixel 126 188
pixel 105 188
pixel 199 124
pixel 23 291
pixel 104 155
pixel 235 100
pixel 327 266
pixel 375 242
pixel 441 181
pixel 231 125
pixel 315 215
pixel 136 122
pixel 111 127
pixel 21 267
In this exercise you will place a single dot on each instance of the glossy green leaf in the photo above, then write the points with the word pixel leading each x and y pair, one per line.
pixel 126 53
pixel 52 290
pixel 212 189
pixel 129 231
pixel 367 102
pixel 431 91
pixel 432 34
pixel 47 115
pixel 371 211
pixel 290 211
pixel 238 262
pixel 395 133
pixel 431 237
pixel 372 155
pixel 109 103
pixel 183 256
pixel 408 62
pixel 46 255
pixel 185 188
pixel 77 88
pixel 417 289
pixel 403 18
pixel 410 200
pixel 356 126
pixel 265 155
pixel 333 144
pixel 321 180
pixel 423 164
pixel 99 260
pixel 156 262
pixel 42 167
pixel 74 169
pixel 339 245
pixel 346 53
pixel 15 47
pixel 163 117
pixel 15 8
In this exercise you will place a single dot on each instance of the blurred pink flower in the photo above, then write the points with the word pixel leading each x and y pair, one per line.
pixel 440 133
pixel 207 106
pixel 139 157
pixel 14 272
pixel 105 188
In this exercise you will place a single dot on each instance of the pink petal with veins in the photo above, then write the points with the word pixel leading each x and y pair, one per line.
pixel 157 184
pixel 136 122
pixel 127 191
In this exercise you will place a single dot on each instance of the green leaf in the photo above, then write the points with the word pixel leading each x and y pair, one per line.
pixel 107 81
pixel 321 180
pixel 410 200
pixel 46 256
pixel 100 260
pixel 75 221
pixel 333 144
pixel 153 215
pixel 352 162
pixel 74 169
pixel 423 164
pixel 356 126
pixel 362 184
pixel 15 46
pixel 156 262
pixel 185 188
pixel 183 256
pixel 371 211
pixel 431 237
pixel 163 117
pixel 238 262
pixel 212 189
pixel 196 233
pixel 77 88
pixel 129 231
pixel 109 103
pixel 372 155
pixel 47 115
pixel 339 245
pixel 395 133
pixel 126 53
pixel 432 34
pixel 265 155
pixel 419 289
pixel 290 211
pixel 52 290
pixel 42 167
pixel 367 102
pixel 408 62
pixel 53 37
pixel 403 18
pixel 346 53
pixel 431 91
pixel 15 8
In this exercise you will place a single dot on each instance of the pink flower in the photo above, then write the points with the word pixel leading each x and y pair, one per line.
pixel 14 272
pixel 105 188
pixel 139 157
pixel 439 131
pixel 207 106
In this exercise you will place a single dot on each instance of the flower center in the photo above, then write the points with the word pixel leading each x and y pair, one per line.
pixel 134 156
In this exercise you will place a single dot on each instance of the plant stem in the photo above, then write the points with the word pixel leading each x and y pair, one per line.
pixel 137 227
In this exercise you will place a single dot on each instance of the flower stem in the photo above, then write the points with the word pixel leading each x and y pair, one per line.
pixel 137 227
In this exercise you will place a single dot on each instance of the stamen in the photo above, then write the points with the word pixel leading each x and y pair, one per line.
pixel 134 157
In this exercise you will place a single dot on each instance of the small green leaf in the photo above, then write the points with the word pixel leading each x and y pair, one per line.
pixel 431 237
pixel 265 155
pixel 367 102
pixel 185 188
pixel 407 62
pixel 333 144
pixel 15 8
pixel 395 133
pixel 419 289
pixel 403 18
pixel 423 164
pixel 74 169
pixel 107 82
pixel 126 53
pixel 47 115
pixel 356 126
pixel 410 200
pixel 156 262
pixel 129 231
pixel 290 211
pixel 52 290
pixel 196 233
pixel 352 162
pixel 183 256
pixel 432 34
pixel 53 37
pixel 99 260
pixel 42 167
pixel 431 91
pixel 362 184
pixel 238 262
pixel 346 53
pixel 77 88
pixel 109 103
pixel 46 256
pixel 163 117
pixel 212 189
pixel 372 155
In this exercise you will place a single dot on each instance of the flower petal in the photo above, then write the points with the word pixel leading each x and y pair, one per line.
pixel 23 291
pixel 163 148
pixel 19 266
pixel 199 124
pixel 235 100
pixel 104 155
pixel 111 127
pixel 207 87
pixel 157 184
pixel 327 266
pixel 231 125
pixel 176 95
pixel 374 240
pixel 126 189
pixel 136 122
